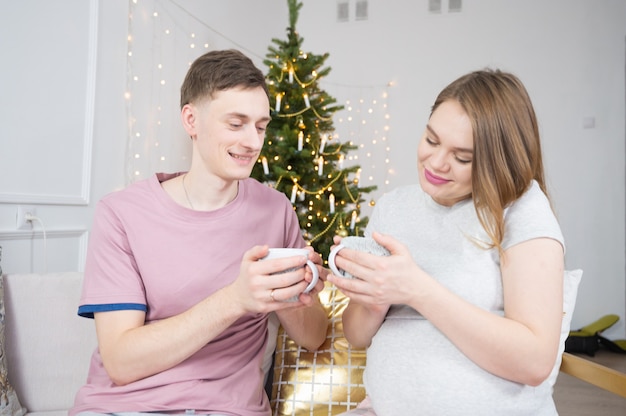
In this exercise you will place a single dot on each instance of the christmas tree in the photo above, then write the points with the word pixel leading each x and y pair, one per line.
pixel 302 156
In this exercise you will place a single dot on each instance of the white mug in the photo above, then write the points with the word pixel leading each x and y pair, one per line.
pixel 365 244
pixel 279 253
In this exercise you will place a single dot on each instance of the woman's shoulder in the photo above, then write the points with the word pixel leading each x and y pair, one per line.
pixel 531 216
pixel 533 199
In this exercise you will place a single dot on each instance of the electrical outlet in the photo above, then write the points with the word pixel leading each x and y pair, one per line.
pixel 23 213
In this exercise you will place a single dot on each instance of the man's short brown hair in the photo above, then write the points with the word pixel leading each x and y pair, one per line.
pixel 217 71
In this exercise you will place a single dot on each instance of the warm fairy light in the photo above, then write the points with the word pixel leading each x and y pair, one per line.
pixel 364 120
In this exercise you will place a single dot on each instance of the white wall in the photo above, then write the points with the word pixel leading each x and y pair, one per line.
pixel 570 54
pixel 66 224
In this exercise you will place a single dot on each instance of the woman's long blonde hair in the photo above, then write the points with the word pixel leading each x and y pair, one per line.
pixel 507 148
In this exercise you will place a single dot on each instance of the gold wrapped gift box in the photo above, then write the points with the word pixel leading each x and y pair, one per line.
pixel 328 381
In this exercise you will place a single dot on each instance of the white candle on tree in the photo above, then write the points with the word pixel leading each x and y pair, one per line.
pixel 294 192
pixel 279 97
pixel 266 169
pixel 323 144
pixel 300 140
pixel 353 220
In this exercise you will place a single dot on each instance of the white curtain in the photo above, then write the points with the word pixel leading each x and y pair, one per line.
pixel 164 39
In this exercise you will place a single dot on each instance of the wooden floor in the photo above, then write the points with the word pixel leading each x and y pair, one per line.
pixel 574 397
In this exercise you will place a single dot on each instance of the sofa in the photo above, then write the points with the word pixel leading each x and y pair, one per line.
pixel 47 346
pixel 45 350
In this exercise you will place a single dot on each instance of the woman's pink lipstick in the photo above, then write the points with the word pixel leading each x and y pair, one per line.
pixel 435 180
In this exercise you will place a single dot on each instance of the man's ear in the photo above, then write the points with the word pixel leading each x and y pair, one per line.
pixel 188 117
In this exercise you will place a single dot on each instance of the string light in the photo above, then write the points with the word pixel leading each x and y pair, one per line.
pixel 151 90
pixel 365 120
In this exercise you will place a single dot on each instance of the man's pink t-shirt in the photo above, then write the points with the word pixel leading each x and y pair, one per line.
pixel 148 253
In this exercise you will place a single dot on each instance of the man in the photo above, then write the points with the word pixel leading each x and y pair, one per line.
pixel 172 280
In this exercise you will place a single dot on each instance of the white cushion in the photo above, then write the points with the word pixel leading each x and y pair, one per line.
pixel 571 280
pixel 48 345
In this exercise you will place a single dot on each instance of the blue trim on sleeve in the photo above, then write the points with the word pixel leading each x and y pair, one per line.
pixel 87 311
